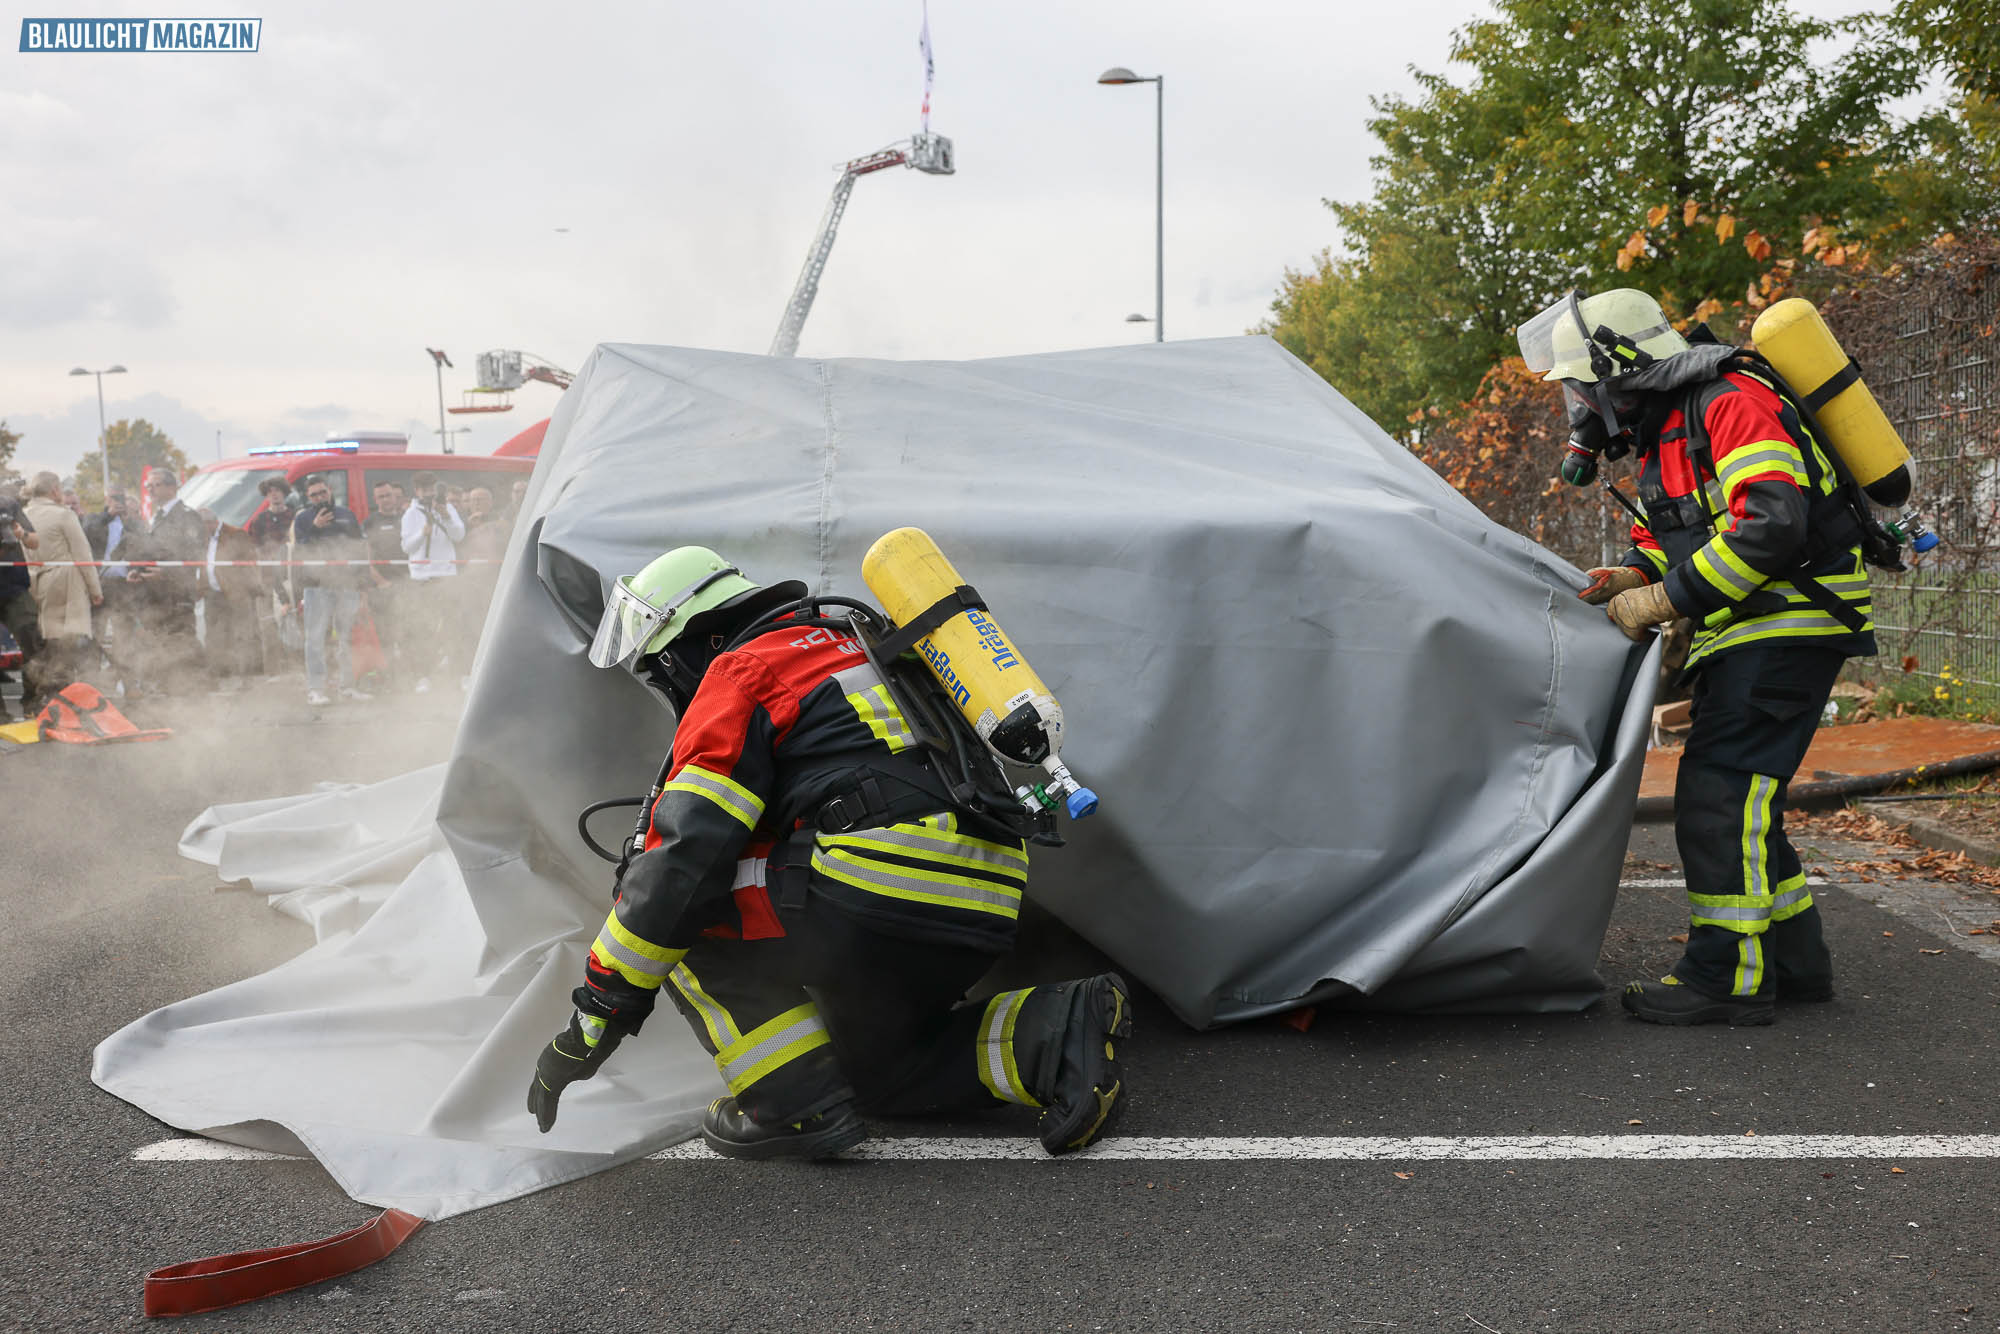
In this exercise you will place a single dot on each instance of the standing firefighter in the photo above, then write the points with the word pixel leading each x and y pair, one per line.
pixel 814 894
pixel 1753 531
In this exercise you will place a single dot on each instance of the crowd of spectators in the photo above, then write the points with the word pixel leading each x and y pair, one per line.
pixel 405 611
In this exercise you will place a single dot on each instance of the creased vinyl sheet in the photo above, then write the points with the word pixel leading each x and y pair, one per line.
pixel 1356 744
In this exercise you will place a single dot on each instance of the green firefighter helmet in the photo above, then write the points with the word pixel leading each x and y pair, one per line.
pixel 1591 338
pixel 647 611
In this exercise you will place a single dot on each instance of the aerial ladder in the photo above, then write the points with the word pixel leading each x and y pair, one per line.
pixel 926 152
pixel 504 370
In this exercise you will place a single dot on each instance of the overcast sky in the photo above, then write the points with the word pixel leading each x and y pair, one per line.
pixel 269 241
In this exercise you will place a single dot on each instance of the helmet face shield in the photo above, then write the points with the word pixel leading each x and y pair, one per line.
pixel 628 622
pixel 632 626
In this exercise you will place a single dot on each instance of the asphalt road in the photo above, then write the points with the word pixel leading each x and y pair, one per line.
pixel 106 922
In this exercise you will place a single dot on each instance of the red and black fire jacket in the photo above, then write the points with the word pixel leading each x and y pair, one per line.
pixel 778 730
pixel 1730 513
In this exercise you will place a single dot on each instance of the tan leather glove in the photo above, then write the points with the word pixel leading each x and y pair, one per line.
pixel 1638 609
pixel 1608 583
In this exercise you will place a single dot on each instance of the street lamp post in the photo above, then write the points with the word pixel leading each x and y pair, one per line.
pixel 103 435
pixel 1118 74
pixel 440 360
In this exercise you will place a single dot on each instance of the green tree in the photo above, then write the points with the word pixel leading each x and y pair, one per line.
pixel 8 439
pixel 1681 146
pixel 135 445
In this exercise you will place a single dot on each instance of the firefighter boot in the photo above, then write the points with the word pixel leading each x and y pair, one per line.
pixel 1672 1001
pixel 729 1131
pixel 1067 1032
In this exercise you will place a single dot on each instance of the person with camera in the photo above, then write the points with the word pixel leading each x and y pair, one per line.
pixel 324 531
pixel 432 530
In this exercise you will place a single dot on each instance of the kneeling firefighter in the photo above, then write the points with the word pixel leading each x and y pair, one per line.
pixel 1753 529
pixel 816 894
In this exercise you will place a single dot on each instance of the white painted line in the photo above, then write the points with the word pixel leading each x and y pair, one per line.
pixel 1670 882
pixel 1303 1148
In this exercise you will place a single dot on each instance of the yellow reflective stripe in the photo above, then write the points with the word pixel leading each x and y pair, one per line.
pixel 1756 826
pixel 914 841
pixel 721 1025
pixel 1763 457
pixel 995 1052
pixel 1798 624
pixel 948 823
pixel 721 789
pixel 770 1045
pixel 1719 550
pixel 592 1028
pixel 1658 559
pixel 1749 966
pixel 1791 899
pixel 885 722
pixel 916 884
pixel 632 957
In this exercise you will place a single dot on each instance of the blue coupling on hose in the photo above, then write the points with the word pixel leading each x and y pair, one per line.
pixel 1924 541
pixel 1081 803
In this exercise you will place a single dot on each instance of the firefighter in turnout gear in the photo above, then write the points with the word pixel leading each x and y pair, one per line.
pixel 812 896
pixel 1752 531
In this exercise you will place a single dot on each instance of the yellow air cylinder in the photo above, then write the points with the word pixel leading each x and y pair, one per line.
pixel 989 681
pixel 1795 340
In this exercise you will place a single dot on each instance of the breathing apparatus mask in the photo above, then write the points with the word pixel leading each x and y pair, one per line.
pixel 1587 344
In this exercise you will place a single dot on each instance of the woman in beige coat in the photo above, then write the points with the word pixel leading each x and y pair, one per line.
pixel 63 594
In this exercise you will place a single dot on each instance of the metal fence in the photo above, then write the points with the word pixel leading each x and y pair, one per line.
pixel 1924 335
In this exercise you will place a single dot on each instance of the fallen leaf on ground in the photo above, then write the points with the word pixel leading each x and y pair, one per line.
pixel 1897 1171
pixel 1930 951
pixel 1680 939
pixel 1404 1176
pixel 1635 1122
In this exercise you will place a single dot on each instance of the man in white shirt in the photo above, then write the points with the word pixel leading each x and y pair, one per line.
pixel 432 530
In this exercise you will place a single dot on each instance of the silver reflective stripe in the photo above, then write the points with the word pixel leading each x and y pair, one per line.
pixel 1791 897
pixel 772 1044
pixel 1015 864
pixel 721 1028
pixel 1756 823
pixel 875 875
pixel 997 1066
pixel 1764 458
pixel 852 680
pixel 610 947
pixel 1759 913
pixel 592 1026
pixel 692 779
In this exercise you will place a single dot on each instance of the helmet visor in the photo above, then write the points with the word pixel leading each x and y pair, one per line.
pixel 1539 338
pixel 628 622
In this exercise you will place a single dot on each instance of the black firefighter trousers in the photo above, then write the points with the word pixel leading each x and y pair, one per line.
pixel 835 1010
pixel 1753 928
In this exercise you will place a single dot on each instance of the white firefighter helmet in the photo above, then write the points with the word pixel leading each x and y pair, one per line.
pixel 1592 338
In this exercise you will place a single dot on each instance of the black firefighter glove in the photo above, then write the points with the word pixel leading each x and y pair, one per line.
pixel 576 1053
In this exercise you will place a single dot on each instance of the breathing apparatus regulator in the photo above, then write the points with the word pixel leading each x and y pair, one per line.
pixel 1590 344
pixel 968 696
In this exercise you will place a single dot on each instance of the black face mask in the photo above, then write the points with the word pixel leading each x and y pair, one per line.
pixel 1592 421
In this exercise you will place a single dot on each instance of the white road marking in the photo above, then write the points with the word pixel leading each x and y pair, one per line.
pixel 1674 882
pixel 1311 1148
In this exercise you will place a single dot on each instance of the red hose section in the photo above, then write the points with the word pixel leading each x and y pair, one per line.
pixel 247 1276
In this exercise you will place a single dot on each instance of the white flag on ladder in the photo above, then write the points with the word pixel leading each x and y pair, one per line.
pixel 924 45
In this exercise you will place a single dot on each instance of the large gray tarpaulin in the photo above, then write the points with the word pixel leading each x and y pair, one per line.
pixel 1355 743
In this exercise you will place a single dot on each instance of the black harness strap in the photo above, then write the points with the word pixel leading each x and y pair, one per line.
pixel 1831 390
pixel 904 638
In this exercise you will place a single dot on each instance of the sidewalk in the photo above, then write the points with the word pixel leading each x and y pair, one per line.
pixel 1856 760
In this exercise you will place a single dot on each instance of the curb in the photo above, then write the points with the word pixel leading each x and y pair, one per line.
pixel 1932 834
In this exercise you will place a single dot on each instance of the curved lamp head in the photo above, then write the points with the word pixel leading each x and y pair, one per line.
pixel 1119 74
pixel 1136 318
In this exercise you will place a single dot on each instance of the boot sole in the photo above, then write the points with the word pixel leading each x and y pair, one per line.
pixel 1718 1012
pixel 1115 1024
